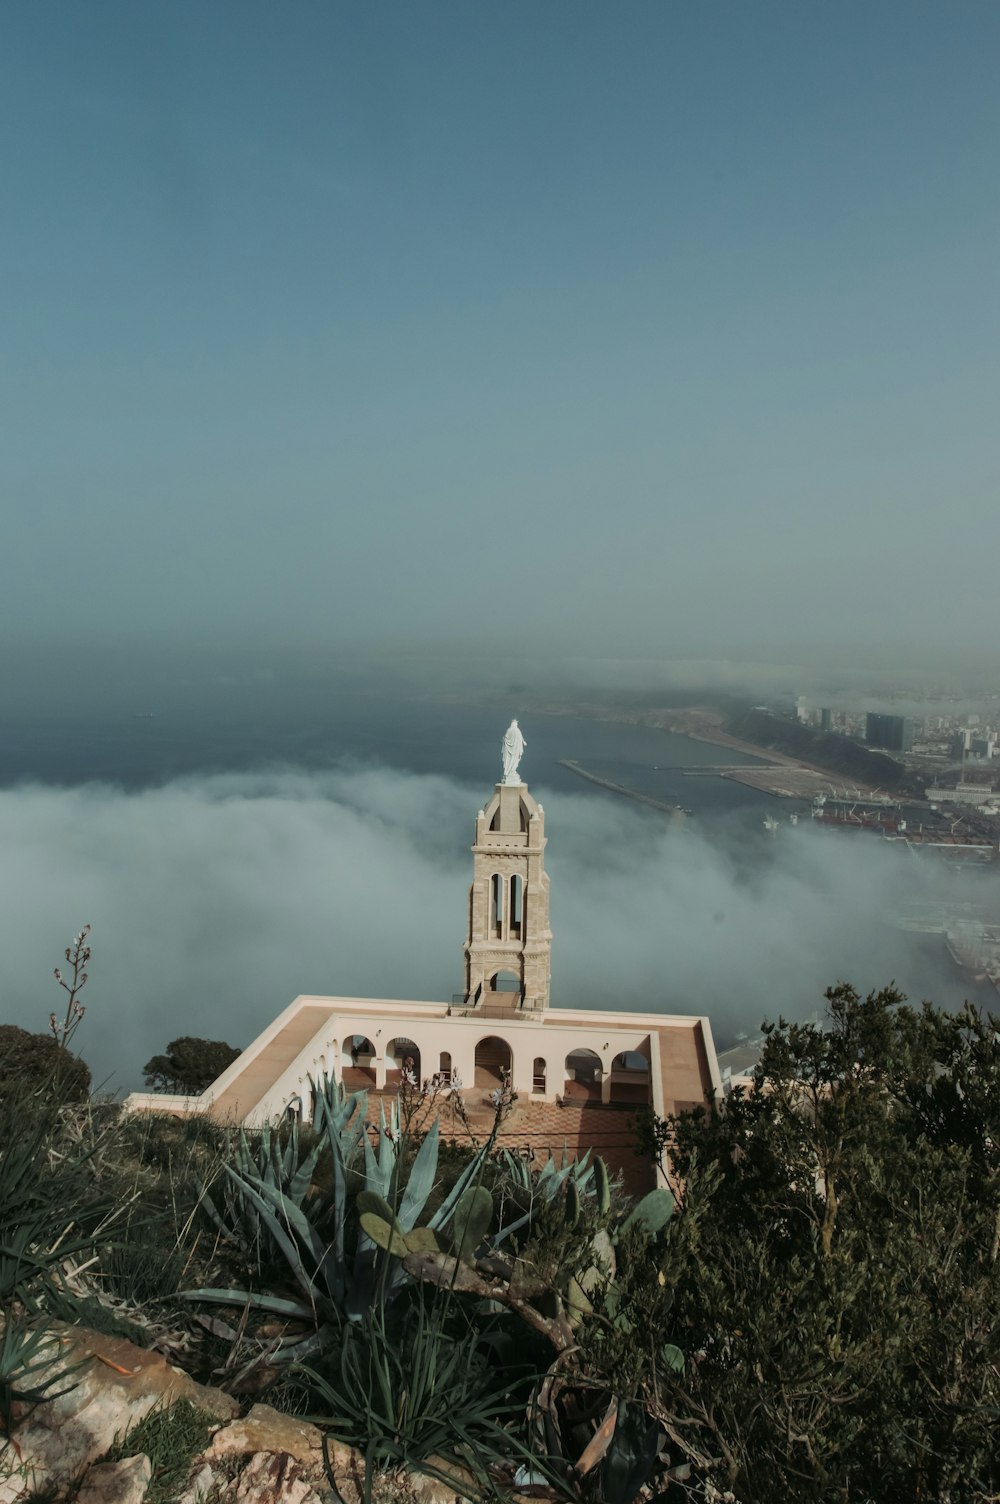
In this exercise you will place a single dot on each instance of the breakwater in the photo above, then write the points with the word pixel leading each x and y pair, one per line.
pixel 673 810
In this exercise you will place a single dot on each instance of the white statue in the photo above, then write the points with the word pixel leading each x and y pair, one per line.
pixel 513 750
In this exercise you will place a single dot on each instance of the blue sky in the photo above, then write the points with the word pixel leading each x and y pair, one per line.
pixel 627 328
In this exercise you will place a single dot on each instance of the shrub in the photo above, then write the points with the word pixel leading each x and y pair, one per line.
pixel 34 1065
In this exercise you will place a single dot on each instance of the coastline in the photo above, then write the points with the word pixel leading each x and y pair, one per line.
pixel 703 725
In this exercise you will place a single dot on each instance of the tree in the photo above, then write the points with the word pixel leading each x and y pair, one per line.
pixel 189 1066
pixel 35 1065
pixel 834 1262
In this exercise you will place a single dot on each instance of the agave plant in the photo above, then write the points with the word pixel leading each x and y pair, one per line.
pixel 268 1196
pixel 274 1166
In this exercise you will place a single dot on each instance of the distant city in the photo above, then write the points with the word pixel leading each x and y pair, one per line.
pixel 955 755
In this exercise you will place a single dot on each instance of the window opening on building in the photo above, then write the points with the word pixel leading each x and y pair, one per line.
pixel 493 1057
pixel 516 905
pixel 583 1074
pixel 358 1057
pixel 402 1060
pixel 629 1077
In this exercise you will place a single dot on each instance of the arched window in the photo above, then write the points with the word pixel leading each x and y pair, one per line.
pixel 538 1075
pixel 493 1057
pixel 630 1077
pixel 357 1062
pixel 583 1074
pixel 444 1067
pixel 516 910
pixel 631 1060
pixel 402 1057
pixel 496 905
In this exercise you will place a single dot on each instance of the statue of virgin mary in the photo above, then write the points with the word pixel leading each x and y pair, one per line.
pixel 512 751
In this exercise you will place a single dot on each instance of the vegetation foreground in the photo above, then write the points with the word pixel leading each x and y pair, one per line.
pixel 811 1315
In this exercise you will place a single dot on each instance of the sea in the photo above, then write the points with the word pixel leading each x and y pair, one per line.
pixel 247 728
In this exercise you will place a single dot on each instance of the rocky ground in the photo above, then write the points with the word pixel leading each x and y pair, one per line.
pixel 59 1450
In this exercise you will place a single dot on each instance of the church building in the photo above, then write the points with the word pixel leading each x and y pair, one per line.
pixel 578 1074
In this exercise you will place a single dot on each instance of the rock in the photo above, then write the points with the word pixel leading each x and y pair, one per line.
pixel 267 1430
pixel 423 1489
pixel 117 1482
pixel 274 1478
pixel 114 1385
pixel 199 1487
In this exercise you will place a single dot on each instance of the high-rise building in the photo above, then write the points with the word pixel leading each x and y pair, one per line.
pixel 894 733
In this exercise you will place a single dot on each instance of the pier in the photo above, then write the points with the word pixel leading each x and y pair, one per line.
pixel 673 810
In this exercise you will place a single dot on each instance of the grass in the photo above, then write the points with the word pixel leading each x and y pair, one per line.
pixel 171 1439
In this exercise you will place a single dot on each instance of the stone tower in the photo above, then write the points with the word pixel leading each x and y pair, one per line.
pixel 507 952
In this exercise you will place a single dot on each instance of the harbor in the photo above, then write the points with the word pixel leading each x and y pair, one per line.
pixel 971 937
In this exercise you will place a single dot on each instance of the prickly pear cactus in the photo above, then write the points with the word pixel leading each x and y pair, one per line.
pixel 388 1234
pixel 602 1186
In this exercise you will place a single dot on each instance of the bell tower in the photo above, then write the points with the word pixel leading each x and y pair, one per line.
pixel 507 951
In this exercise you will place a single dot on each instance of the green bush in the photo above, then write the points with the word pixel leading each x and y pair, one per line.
pixel 835 1264
pixel 35 1066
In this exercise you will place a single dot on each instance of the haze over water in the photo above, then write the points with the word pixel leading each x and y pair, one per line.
pixel 242 729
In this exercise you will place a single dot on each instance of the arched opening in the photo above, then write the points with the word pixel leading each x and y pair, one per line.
pixel 525 817
pixel 538 1075
pixel 496 906
pixel 516 910
pixel 630 1077
pixel 505 981
pixel 402 1059
pixel 357 1062
pixel 493 1057
pixel 583 1075
pixel 444 1067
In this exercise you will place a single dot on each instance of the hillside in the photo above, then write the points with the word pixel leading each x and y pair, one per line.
pixel 824 749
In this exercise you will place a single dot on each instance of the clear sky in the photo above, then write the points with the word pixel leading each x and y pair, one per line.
pixel 624 325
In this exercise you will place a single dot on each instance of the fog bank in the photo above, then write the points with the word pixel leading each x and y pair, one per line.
pixel 215 900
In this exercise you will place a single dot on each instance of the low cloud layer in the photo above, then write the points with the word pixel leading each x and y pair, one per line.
pixel 214 901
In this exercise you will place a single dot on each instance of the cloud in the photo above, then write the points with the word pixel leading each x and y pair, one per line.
pixel 216 900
